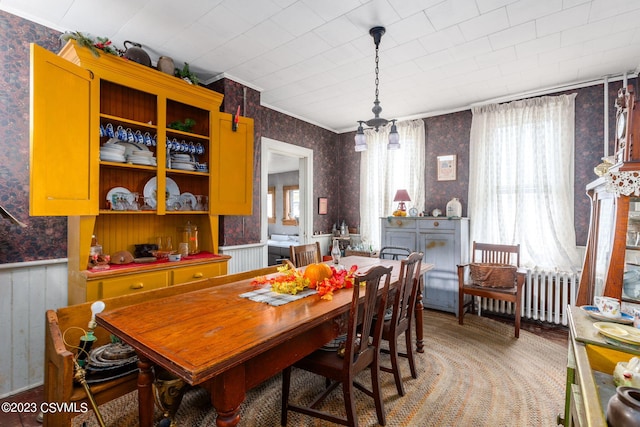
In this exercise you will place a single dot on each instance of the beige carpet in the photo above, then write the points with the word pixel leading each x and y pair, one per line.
pixel 472 375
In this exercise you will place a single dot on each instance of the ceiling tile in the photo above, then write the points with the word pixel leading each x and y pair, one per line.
pixel 526 10
pixel 568 18
pixel 410 28
pixel 513 36
pixel 539 45
pixel 485 24
pixel 298 19
pixel 451 12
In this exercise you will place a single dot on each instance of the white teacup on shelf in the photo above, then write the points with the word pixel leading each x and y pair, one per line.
pixel 608 307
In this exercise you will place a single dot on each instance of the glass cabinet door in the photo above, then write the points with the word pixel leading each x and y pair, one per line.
pixel 604 243
pixel 631 279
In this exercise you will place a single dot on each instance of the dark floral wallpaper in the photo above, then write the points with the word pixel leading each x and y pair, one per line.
pixel 44 237
pixel 336 164
pixel 275 125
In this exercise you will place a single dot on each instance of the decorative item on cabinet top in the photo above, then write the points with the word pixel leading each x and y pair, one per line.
pixel 454 208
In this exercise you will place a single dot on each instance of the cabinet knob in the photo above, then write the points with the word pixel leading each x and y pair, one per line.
pixel 436 223
pixel 138 285
pixel 198 275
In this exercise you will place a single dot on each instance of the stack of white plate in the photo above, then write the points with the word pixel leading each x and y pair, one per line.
pixel 142 158
pixel 182 162
pixel 112 153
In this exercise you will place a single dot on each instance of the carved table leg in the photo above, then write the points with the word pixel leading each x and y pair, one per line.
pixel 145 392
pixel 227 393
pixel 419 320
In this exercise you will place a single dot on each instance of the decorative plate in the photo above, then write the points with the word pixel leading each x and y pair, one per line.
pixel 624 333
pixel 150 189
pixel 115 190
pixel 593 312
pixel 191 198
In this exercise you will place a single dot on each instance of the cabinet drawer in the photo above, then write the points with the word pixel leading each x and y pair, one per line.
pixel 400 222
pixel 107 288
pixel 437 224
pixel 195 272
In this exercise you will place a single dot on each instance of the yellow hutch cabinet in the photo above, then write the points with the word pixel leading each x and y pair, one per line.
pixel 76 100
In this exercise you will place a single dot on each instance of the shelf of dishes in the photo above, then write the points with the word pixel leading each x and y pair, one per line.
pixel 121 199
pixel 125 145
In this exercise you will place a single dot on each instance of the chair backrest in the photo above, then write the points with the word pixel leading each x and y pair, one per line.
pixel 407 291
pixel 302 255
pixel 394 252
pixel 497 254
pixel 359 349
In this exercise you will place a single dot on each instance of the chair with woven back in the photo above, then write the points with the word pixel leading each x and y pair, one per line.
pixel 402 317
pixel 302 255
pixel 500 282
pixel 361 352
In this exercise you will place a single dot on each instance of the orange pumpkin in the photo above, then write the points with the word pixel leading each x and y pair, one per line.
pixel 317 273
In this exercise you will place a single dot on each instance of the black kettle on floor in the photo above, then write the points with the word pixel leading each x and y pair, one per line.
pixel 136 53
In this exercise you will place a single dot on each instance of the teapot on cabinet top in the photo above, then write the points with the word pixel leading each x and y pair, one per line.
pixel 136 53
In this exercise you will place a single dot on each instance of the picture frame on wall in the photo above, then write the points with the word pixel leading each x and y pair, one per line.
pixel 322 205
pixel 447 167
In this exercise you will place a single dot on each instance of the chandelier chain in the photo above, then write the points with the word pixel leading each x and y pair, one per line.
pixel 377 70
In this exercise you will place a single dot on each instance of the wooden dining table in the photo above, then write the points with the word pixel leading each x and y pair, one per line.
pixel 229 344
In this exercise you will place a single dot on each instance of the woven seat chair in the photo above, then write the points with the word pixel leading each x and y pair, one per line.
pixel 485 253
pixel 402 317
pixel 359 354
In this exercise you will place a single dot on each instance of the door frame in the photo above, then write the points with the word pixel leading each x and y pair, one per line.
pixel 305 158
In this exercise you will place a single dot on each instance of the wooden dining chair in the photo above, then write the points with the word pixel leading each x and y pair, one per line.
pixel 486 253
pixel 359 354
pixel 302 255
pixel 394 252
pixel 404 304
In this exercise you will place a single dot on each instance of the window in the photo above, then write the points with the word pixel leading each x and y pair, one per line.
pixel 271 205
pixel 383 172
pixel 521 179
pixel 291 211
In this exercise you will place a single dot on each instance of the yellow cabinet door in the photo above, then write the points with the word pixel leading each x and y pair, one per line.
pixel 232 167
pixel 64 155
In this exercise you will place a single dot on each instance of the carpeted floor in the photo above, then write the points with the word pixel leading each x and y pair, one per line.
pixel 477 375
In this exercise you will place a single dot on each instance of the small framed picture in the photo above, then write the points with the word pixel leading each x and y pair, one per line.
pixel 322 205
pixel 447 168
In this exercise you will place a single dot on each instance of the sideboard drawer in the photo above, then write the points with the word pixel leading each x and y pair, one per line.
pixel 196 272
pixel 123 285
pixel 400 222
pixel 437 224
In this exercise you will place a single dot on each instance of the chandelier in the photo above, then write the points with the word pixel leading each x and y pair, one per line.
pixel 377 121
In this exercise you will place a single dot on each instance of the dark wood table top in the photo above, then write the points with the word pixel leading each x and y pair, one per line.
pixel 228 343
pixel 200 334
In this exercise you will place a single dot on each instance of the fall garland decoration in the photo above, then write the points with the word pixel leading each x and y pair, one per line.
pixel 293 281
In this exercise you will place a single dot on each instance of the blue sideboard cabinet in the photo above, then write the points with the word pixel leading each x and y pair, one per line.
pixel 445 244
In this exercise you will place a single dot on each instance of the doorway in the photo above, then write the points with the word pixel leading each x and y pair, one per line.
pixel 281 152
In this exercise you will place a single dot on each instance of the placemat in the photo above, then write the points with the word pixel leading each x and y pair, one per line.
pixel 266 295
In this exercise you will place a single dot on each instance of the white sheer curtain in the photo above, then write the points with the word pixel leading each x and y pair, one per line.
pixel 383 172
pixel 521 179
